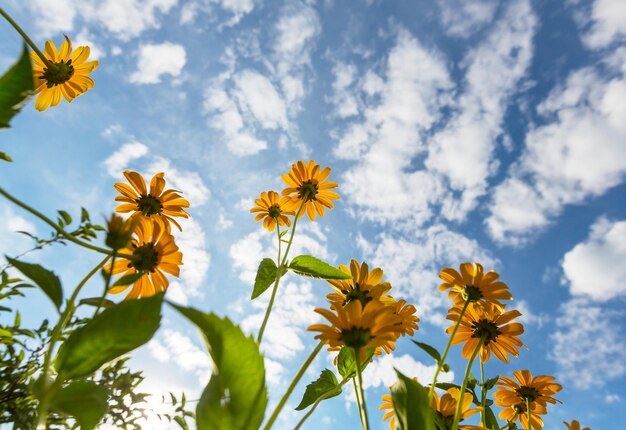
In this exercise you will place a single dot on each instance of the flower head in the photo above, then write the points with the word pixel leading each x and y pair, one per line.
pixel 474 285
pixel 574 425
pixel 518 412
pixel 153 204
pixel 272 210
pixel 152 252
pixel 486 323
pixel 307 183
pixel 446 407
pixel 364 285
pixel 119 232
pixel 66 77
pixel 387 406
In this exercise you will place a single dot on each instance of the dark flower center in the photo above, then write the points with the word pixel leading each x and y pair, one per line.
pixel 486 330
pixel 520 408
pixel 145 258
pixel 58 74
pixel 274 211
pixel 356 294
pixel 149 205
pixel 307 191
pixel 527 393
pixel 356 337
pixel 472 293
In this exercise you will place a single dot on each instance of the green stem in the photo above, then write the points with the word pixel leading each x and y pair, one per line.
pixel 445 353
pixel 27 39
pixel 459 406
pixel 278 270
pixel 65 317
pixel 58 229
pixel 324 396
pixel 357 359
pixel 529 413
pixel 106 284
pixel 483 395
pixel 358 400
pixel 293 384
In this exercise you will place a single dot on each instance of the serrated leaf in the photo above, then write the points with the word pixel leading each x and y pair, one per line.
pixel 16 86
pixel 235 397
pixel 85 401
pixel 307 265
pixel 110 334
pixel 43 278
pixel 410 403
pixel 97 301
pixel 265 276
pixel 429 350
pixel 5 157
pixel 346 365
pixel 128 279
pixel 66 216
pixel 326 383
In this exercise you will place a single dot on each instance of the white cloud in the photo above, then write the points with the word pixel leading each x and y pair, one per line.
pixel 256 94
pixel 608 23
pixel 381 371
pixel 528 317
pixel 237 8
pixel 156 60
pixel 595 267
pixel 578 154
pixel 119 160
pixel 345 102
pixel 55 17
pixel 462 18
pixel 612 398
pixel 589 345
pixel 412 265
pixel 13 243
pixel 188 182
pixel 463 152
pixel 85 38
pixel 171 346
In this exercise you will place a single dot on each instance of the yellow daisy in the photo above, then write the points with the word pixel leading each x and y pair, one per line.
pixel 387 406
pixel 273 209
pixel 407 316
pixel 474 285
pixel 154 204
pixel 486 321
pixel 68 76
pixel 307 182
pixel 364 285
pixel 153 252
pixel 446 408
pixel 575 425
pixel 518 413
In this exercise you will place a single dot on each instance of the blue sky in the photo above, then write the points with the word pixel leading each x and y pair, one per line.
pixel 457 131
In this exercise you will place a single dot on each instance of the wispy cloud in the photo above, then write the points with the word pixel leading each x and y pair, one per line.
pixel 157 60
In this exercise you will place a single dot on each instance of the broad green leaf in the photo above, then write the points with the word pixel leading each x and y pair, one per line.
pixel 490 419
pixel 16 86
pixel 66 217
pixel 128 279
pixel 85 401
pixel 235 397
pixel 116 331
pixel 346 365
pixel 325 383
pixel 429 350
pixel 307 265
pixel 5 157
pixel 265 276
pixel 410 402
pixel 43 278
pixel 97 301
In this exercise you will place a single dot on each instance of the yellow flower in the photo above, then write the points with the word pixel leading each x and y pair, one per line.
pixel 364 286
pixel 154 204
pixel 474 285
pixel 357 326
pixel 446 407
pixel 68 78
pixel 119 232
pixel 575 425
pixel 306 182
pixel 391 413
pixel 407 316
pixel 152 252
pixel 487 322
pixel 512 395
pixel 273 209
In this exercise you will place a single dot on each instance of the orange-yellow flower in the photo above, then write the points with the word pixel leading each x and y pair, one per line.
pixel 364 285
pixel 474 285
pixel 153 204
pixel 273 209
pixel 387 406
pixel 307 183
pixel 446 407
pixel 152 252
pixel 66 78
pixel 575 425
pixel 486 323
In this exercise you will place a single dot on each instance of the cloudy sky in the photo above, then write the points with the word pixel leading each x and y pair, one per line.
pixel 458 130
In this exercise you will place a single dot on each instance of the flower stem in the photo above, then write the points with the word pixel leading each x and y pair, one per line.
pixel 459 406
pixel 483 395
pixel 445 353
pixel 293 384
pixel 106 284
pixel 324 396
pixel 358 400
pixel 529 413
pixel 58 229
pixel 65 317
pixel 278 270
pixel 27 39
pixel 357 359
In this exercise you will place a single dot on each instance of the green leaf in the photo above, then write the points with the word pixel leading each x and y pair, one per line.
pixel 307 265
pixel 5 157
pixel 16 86
pixel 346 365
pixel 490 383
pixel 84 215
pixel 128 279
pixel 66 217
pixel 265 276
pixel 97 301
pixel 410 402
pixel 326 383
pixel 235 397
pixel 43 278
pixel 490 419
pixel 429 350
pixel 116 331
pixel 85 401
